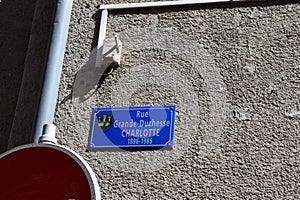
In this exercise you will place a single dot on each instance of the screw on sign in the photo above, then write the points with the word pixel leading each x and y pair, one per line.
pixel 45 171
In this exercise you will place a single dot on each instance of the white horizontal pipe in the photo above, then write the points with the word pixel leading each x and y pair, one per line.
pixel 107 7
pixel 158 4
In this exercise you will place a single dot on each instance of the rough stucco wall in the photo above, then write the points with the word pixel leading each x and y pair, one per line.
pixel 232 71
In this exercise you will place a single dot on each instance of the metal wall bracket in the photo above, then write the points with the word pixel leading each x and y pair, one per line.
pixel 100 59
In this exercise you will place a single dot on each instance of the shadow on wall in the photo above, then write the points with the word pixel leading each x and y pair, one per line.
pixel 24 47
pixel 88 79
pixel 16 18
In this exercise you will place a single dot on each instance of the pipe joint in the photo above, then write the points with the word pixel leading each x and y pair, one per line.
pixel 48 136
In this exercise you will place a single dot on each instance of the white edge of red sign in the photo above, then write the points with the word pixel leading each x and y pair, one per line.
pixel 91 177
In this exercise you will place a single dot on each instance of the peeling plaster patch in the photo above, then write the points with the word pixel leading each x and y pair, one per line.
pixel 153 20
pixel 296 64
pixel 271 88
pixel 249 69
pixel 293 113
pixel 254 13
pixel 242 114
pixel 237 19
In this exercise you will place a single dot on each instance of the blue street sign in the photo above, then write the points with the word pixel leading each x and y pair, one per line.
pixel 145 127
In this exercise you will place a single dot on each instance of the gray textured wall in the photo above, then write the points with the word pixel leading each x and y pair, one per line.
pixel 15 25
pixel 233 72
pixel 25 30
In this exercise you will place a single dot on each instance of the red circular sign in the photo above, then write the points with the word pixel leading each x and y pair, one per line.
pixel 41 171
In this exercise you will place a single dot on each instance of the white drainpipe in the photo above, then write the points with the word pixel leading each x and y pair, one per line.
pixel 53 70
